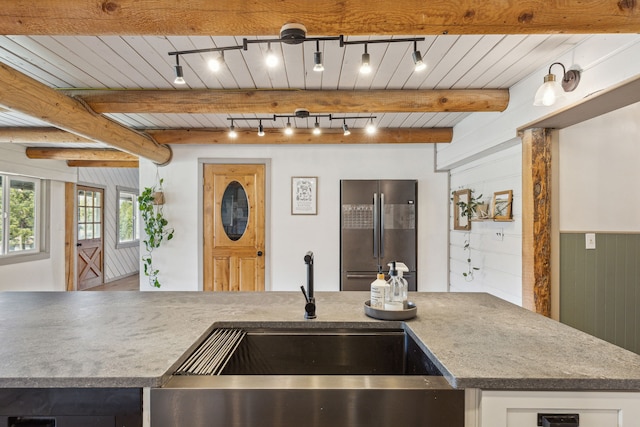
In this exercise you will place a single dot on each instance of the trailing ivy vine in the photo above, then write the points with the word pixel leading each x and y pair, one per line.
pixel 155 228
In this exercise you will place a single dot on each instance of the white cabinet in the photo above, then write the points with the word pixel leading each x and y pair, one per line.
pixel 521 408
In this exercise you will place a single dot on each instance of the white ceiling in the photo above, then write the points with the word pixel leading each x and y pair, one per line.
pixel 142 62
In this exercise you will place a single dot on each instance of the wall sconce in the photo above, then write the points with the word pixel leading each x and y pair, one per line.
pixel 551 90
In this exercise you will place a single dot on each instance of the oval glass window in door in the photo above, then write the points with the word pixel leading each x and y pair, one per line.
pixel 235 210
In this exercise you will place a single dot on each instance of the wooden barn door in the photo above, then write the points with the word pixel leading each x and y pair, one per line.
pixel 234 227
pixel 90 202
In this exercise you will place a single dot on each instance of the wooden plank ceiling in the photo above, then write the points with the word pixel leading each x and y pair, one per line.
pixel 109 60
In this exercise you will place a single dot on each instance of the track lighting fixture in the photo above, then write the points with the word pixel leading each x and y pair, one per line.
pixel 365 65
pixel 551 90
pixel 417 58
pixel 288 130
pixel 216 63
pixel 345 128
pixel 301 113
pixel 179 74
pixel 317 58
pixel 293 34
pixel 271 59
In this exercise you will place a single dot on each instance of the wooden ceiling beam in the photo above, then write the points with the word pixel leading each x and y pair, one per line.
pixel 19 92
pixel 287 101
pixel 321 17
pixel 28 135
pixel 101 154
pixel 304 136
pixel 133 164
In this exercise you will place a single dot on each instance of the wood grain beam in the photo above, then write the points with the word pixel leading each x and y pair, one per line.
pixel 303 136
pixel 19 92
pixel 321 17
pixel 287 101
pixel 536 221
pixel 78 154
pixel 132 164
pixel 40 135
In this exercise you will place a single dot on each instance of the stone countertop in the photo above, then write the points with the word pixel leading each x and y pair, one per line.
pixel 135 339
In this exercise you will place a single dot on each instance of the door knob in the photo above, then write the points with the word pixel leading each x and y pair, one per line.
pixel 78 244
pixel 259 253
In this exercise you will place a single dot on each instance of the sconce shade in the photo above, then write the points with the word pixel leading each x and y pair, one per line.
pixel 549 92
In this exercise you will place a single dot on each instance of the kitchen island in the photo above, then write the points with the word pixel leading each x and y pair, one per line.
pixel 135 340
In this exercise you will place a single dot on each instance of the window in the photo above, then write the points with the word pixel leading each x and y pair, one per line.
pixel 21 224
pixel 128 232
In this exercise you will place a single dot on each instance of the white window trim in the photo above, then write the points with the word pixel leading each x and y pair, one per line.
pixel 42 220
pixel 136 222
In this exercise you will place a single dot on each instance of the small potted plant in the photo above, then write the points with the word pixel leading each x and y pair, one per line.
pixel 150 204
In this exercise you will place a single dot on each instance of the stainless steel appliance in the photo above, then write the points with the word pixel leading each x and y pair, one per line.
pixel 378 225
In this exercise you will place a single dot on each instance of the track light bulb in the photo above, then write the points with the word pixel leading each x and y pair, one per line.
pixel 179 75
pixel 345 129
pixel 365 67
pixel 288 130
pixel 260 130
pixel 215 64
pixel 418 62
pixel 370 128
pixel 317 61
pixel 232 132
pixel 272 59
pixel 316 129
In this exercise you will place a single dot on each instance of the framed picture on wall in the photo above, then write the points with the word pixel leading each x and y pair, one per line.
pixel 304 195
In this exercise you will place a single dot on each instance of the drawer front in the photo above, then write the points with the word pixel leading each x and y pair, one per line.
pixel 596 409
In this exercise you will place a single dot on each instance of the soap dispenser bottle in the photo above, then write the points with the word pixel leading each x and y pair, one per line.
pixel 379 291
pixel 402 267
pixel 394 298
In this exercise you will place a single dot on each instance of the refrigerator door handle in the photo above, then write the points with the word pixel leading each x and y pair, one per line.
pixel 375 225
pixel 381 225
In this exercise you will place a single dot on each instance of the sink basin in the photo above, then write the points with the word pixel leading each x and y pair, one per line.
pixel 326 352
pixel 317 377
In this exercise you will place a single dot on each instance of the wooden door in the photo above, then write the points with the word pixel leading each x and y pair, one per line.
pixel 90 202
pixel 233 227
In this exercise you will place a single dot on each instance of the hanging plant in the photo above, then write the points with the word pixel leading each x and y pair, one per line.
pixel 150 204
pixel 468 275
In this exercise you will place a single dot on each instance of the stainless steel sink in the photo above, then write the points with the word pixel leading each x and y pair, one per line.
pixel 324 352
pixel 315 377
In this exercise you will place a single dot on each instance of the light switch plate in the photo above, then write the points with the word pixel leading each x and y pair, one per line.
pixel 590 240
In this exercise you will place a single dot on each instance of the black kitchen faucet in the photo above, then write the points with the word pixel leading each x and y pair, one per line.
pixel 310 306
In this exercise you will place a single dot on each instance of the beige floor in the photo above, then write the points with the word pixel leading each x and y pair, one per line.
pixel 130 283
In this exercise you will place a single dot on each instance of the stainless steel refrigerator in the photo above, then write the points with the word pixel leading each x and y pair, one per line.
pixel 378 222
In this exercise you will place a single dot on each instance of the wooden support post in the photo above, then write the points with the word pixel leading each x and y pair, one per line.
pixel 70 235
pixel 536 221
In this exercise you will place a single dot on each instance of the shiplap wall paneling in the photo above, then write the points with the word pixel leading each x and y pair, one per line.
pixel 600 288
pixel 121 262
pixel 499 259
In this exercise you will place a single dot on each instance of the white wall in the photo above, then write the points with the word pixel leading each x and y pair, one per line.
pixel 499 259
pixel 290 237
pixel 45 274
pixel 599 173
